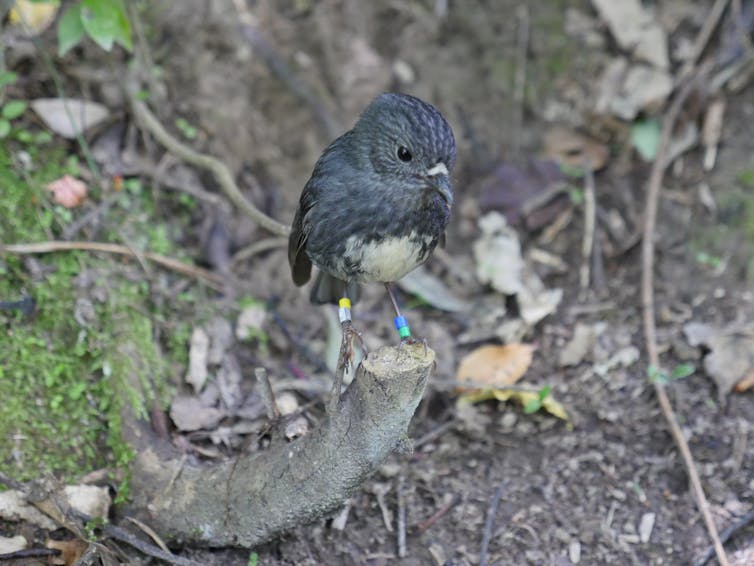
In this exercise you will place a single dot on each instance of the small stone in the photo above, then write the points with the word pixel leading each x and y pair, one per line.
pixel 287 403
pixel 508 420
pixel 574 551
pixel 646 524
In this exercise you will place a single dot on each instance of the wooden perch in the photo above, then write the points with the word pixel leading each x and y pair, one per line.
pixel 256 497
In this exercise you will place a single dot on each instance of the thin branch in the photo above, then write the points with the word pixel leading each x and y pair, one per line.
pixel 207 276
pixel 402 516
pixel 490 523
pixel 257 248
pixel 590 222
pixel 217 167
pixel 647 296
pixel 726 535
pixel 703 37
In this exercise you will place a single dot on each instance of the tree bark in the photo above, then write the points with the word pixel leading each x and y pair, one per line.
pixel 254 498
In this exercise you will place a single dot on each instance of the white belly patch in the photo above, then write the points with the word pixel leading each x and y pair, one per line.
pixel 387 260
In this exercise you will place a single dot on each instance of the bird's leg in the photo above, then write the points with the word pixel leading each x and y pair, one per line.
pixel 346 357
pixel 400 321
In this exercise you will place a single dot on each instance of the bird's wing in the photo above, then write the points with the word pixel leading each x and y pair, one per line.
pixel 301 265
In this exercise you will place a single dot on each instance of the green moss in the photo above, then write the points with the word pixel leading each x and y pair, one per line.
pixel 64 374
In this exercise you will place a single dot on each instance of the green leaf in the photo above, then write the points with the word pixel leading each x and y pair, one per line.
pixel 682 370
pixel 4 128
pixel 7 78
pixel 189 131
pixel 70 29
pixel 106 22
pixel 13 109
pixel 656 375
pixel 645 137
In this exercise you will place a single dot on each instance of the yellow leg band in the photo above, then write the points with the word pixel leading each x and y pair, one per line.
pixel 344 303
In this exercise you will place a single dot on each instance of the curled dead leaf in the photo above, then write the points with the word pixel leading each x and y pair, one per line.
pixel 68 191
pixel 525 398
pixel 494 366
pixel 570 148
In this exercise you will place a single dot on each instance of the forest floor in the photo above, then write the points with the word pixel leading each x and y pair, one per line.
pixel 607 484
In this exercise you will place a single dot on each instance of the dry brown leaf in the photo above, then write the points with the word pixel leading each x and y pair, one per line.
pixel 495 366
pixel 35 17
pixel 746 383
pixel 571 148
pixel 68 191
pixel 70 551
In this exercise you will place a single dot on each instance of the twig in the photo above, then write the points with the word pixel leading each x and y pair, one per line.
pixel 208 277
pixel 30 553
pixel 437 432
pixel 590 220
pixel 149 549
pixel 401 516
pixel 726 535
pixel 647 294
pixel 266 393
pixel 217 167
pixel 440 513
pixel 519 84
pixel 149 531
pixel 702 38
pixel 490 523
pixel 257 248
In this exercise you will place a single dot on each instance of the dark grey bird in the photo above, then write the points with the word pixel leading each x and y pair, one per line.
pixel 378 201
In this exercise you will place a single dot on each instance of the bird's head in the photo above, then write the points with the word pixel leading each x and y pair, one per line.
pixel 409 142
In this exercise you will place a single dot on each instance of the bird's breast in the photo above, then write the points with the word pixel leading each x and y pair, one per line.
pixel 388 258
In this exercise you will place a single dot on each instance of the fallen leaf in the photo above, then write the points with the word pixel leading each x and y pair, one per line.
pixel 498 255
pixel 581 344
pixel 198 349
pixel 251 322
pixel 514 190
pixel 14 507
pixel 494 366
pixel 69 117
pixel 188 414
pixel 746 383
pixel 68 191
pixel 33 17
pixel 731 357
pixel 626 90
pixel 431 290
pixel 525 398
pixel 573 149
pixel 91 500
pixel 645 137
pixel 535 301
pixel 635 30
pixel 499 263
pixel 12 544
pixel 70 551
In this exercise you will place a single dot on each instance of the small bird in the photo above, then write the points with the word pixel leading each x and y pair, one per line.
pixel 376 205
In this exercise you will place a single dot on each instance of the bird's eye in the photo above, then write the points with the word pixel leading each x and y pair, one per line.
pixel 404 154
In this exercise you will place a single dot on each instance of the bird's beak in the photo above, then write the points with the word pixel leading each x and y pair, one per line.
pixel 440 181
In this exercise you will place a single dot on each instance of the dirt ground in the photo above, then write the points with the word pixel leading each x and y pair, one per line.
pixel 607 487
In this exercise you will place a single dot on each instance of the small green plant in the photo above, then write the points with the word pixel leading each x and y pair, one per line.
pixel 656 375
pixel 536 404
pixel 189 132
pixel 13 108
pixel 103 21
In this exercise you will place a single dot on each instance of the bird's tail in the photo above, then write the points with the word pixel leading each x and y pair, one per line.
pixel 328 289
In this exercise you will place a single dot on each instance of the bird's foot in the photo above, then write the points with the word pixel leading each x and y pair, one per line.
pixel 410 341
pixel 345 361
